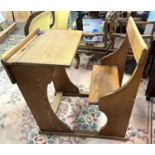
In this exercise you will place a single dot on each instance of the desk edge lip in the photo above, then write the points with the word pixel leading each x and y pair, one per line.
pixel 35 64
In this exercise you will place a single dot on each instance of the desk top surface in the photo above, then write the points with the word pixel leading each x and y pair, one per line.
pixel 55 47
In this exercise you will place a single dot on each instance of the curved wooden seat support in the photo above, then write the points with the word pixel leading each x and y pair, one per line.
pixel 118 104
pixel 34 90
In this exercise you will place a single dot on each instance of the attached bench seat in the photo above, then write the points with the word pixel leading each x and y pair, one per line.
pixel 105 79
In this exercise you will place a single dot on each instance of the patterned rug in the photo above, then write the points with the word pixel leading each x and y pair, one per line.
pixel 153 120
pixel 9 42
pixel 17 124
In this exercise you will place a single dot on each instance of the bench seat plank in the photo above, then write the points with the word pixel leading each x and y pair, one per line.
pixel 104 80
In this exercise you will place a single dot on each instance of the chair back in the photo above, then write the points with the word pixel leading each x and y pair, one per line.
pixel 61 20
pixel 137 43
pixel 45 20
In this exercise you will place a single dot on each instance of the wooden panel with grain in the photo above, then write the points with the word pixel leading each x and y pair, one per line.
pixel 118 58
pixel 55 47
pixel 85 134
pixel 136 41
pixel 33 82
pixel 62 83
pixel 104 80
pixel 11 55
pixel 118 104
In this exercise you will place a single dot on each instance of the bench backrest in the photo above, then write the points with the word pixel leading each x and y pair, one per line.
pixel 137 43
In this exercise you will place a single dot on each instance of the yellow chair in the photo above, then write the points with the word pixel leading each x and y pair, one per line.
pixel 61 20
pixel 57 20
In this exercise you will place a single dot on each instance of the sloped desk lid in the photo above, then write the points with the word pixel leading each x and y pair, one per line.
pixel 55 47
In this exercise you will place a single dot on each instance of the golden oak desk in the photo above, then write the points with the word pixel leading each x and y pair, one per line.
pixel 34 63
pixel 37 61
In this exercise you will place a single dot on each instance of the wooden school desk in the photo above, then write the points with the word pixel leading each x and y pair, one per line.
pixel 38 60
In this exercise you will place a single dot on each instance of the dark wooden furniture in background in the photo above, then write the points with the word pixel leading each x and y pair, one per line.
pixel 146 26
pixel 100 49
pixel 150 91
pixel 109 27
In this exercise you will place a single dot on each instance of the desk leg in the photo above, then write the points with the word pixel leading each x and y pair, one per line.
pixel 33 81
pixel 63 84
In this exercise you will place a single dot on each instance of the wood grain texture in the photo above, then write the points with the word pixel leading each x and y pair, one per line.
pixel 8 71
pixel 116 102
pixel 85 134
pixel 136 41
pixel 62 83
pixel 90 46
pixel 118 58
pixel 104 80
pixel 55 47
pixel 118 105
pixel 33 81
pixel 13 52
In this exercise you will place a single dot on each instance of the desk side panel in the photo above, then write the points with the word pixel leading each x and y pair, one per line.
pixel 33 82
